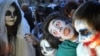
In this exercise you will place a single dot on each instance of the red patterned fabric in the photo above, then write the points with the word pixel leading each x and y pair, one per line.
pixel 95 39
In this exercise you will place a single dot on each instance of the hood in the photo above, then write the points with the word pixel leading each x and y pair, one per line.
pixel 4 4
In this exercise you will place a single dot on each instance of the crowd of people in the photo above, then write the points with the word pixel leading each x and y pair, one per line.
pixel 70 28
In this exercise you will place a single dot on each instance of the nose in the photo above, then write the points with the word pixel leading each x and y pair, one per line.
pixel 12 16
pixel 60 29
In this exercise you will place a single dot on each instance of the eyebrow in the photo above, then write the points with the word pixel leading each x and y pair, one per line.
pixel 53 21
pixel 82 30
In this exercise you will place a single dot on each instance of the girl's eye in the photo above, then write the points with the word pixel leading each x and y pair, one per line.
pixel 85 32
pixel 55 33
pixel 58 24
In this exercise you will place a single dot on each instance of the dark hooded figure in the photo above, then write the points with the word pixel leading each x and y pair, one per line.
pixel 16 26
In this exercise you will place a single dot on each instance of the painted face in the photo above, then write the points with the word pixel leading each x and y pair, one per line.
pixel 85 31
pixel 46 49
pixel 10 16
pixel 59 28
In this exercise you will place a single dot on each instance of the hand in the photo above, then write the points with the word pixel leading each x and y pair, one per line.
pixel 31 39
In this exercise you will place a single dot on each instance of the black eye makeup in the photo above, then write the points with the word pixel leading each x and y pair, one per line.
pixel 8 13
pixel 85 32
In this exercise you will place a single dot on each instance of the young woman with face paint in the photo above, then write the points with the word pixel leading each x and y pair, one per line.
pixel 12 21
pixel 59 26
pixel 49 45
pixel 46 49
pixel 87 23
pixel 15 27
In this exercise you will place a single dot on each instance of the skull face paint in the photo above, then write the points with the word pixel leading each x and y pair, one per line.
pixel 46 49
pixel 10 16
pixel 84 30
pixel 59 28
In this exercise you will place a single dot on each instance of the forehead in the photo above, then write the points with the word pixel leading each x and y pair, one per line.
pixel 56 20
pixel 11 8
pixel 80 24
pixel 44 43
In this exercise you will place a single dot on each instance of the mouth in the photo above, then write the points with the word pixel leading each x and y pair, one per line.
pixel 66 31
pixel 10 21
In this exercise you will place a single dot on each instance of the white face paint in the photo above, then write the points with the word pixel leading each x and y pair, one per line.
pixel 58 28
pixel 85 31
pixel 46 49
pixel 10 16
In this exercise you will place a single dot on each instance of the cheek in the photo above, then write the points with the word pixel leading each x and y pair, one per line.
pixel 85 38
pixel 15 18
pixel 56 34
pixel 7 18
pixel 89 36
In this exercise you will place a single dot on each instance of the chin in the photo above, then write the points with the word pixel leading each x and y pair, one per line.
pixel 10 24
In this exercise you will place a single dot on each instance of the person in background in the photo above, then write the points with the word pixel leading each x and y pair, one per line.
pixel 28 15
pixel 14 27
pixel 70 8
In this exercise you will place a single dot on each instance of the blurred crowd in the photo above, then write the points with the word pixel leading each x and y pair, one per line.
pixel 53 29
